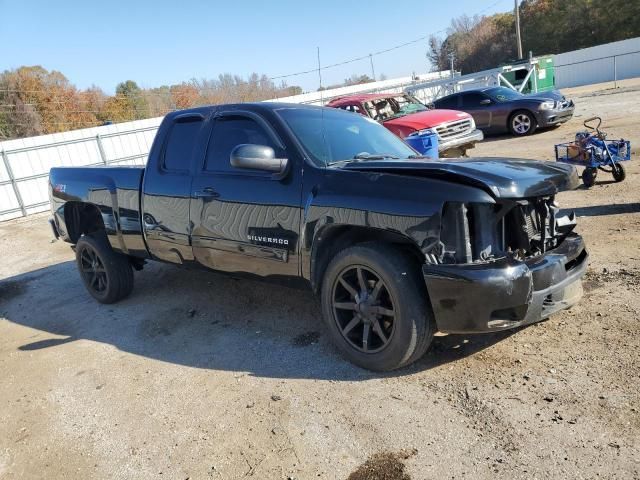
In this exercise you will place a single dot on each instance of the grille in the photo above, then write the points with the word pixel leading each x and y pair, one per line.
pixel 531 223
pixel 453 129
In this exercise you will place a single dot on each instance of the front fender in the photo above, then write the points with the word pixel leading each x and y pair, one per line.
pixel 403 206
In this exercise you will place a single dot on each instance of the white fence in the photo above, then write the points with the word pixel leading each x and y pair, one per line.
pixel 25 162
pixel 602 63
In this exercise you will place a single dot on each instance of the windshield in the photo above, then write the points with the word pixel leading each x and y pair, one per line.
pixel 331 135
pixel 391 107
pixel 503 94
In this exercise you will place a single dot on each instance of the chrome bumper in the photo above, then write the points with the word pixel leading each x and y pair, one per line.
pixel 469 139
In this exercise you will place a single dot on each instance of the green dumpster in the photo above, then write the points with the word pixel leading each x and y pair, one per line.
pixel 543 78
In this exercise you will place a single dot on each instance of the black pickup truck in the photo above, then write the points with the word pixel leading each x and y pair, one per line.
pixel 397 246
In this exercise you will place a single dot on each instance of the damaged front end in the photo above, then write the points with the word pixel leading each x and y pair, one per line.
pixel 503 265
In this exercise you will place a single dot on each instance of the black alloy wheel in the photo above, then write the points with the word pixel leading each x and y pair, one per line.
pixel 376 307
pixel 363 309
pixel 106 274
pixel 93 270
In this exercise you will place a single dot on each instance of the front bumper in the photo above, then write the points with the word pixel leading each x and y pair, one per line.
pixel 548 118
pixel 468 140
pixel 507 293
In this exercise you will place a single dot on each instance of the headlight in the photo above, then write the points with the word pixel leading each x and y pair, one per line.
pixel 547 105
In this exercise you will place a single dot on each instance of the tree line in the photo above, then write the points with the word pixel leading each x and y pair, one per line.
pixel 35 101
pixel 547 27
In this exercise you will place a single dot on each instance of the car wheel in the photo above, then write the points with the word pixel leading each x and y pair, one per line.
pixel 522 123
pixel 618 172
pixel 376 308
pixel 106 274
pixel 589 175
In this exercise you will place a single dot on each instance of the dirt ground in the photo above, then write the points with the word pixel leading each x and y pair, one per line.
pixel 202 376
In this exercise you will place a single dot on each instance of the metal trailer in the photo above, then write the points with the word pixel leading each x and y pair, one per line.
pixel 528 76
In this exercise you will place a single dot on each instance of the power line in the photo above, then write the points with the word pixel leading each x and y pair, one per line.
pixel 379 52
pixel 278 77
pixel 214 90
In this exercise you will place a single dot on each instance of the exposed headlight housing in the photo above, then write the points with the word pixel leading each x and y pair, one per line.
pixel 549 105
pixel 426 131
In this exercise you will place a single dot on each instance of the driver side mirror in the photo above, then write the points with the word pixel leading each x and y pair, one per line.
pixel 486 101
pixel 258 157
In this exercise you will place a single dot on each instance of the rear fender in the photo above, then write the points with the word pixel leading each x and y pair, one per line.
pixel 74 190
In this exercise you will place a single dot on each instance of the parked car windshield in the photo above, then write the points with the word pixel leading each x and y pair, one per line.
pixel 391 107
pixel 503 94
pixel 331 135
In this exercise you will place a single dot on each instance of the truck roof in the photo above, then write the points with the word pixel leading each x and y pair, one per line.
pixel 256 106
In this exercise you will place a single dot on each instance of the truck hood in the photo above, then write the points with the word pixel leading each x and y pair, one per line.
pixel 427 119
pixel 501 177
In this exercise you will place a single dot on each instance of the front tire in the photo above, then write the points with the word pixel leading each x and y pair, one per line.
pixel 522 123
pixel 106 274
pixel 589 175
pixel 618 172
pixel 375 307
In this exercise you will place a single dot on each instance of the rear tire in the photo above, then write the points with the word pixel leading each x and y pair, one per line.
pixel 589 175
pixel 375 306
pixel 522 123
pixel 618 172
pixel 106 274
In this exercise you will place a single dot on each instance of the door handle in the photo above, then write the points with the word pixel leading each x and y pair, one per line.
pixel 206 192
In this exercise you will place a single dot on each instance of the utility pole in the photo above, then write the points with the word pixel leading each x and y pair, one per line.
pixel 373 72
pixel 518 38
pixel 319 69
pixel 320 78
pixel 452 57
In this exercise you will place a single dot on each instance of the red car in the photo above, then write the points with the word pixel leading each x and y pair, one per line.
pixel 404 116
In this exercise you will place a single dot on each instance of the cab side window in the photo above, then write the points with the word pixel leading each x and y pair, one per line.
pixel 472 99
pixel 227 134
pixel 180 144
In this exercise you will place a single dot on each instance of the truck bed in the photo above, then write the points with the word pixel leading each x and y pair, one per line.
pixel 115 191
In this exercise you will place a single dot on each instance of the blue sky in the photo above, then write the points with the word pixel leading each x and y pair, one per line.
pixel 164 42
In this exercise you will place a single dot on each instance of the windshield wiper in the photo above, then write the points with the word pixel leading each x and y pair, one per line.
pixel 362 157
pixel 377 156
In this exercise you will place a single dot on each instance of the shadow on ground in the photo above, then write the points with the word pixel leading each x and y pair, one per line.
pixel 497 137
pixel 601 210
pixel 199 319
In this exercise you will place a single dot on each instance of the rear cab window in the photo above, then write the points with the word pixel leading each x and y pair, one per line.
pixel 180 143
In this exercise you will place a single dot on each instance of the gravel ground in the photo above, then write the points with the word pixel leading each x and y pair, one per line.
pixel 197 375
